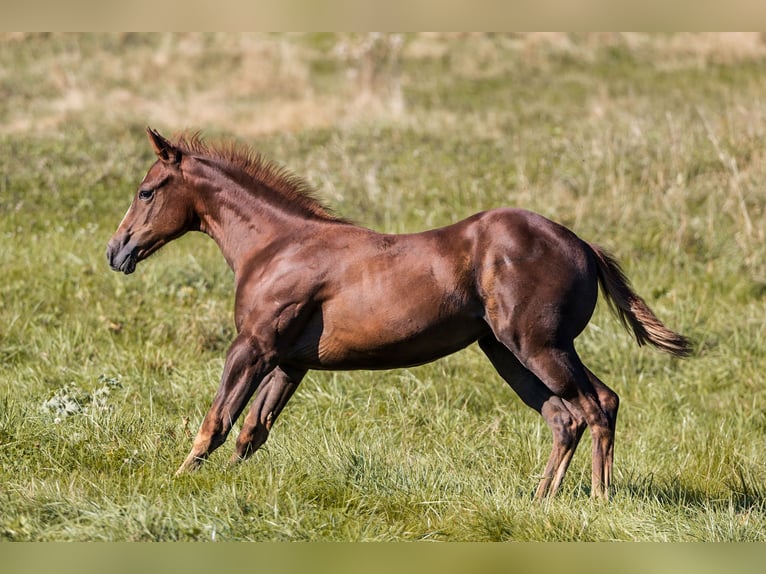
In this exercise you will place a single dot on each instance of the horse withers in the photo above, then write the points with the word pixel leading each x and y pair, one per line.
pixel 315 291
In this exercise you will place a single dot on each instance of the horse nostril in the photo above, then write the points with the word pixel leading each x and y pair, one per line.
pixel 110 252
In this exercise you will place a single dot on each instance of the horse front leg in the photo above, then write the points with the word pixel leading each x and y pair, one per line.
pixel 270 398
pixel 246 366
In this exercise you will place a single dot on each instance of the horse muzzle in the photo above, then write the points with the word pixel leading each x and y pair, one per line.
pixel 122 256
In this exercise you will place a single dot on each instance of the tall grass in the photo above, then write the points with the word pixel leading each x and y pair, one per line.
pixel 648 145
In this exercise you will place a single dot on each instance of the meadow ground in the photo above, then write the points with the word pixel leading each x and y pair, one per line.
pixel 652 146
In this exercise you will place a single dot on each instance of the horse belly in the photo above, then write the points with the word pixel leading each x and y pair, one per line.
pixel 381 350
pixel 383 344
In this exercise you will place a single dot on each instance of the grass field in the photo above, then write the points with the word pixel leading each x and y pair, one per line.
pixel 652 146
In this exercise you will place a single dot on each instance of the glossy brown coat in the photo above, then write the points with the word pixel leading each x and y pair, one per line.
pixel 314 291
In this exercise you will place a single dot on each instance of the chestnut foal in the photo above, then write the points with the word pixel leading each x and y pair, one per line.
pixel 314 291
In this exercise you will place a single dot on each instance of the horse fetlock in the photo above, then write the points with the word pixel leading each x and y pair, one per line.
pixel 192 462
pixel 216 440
pixel 599 492
pixel 250 440
pixel 544 488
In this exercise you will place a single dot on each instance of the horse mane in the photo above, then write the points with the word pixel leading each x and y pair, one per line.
pixel 291 189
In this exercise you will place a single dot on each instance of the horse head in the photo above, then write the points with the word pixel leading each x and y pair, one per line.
pixel 161 209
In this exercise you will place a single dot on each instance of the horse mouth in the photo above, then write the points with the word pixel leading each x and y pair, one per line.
pixel 124 260
pixel 129 265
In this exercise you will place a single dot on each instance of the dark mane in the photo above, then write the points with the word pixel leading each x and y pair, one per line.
pixel 292 189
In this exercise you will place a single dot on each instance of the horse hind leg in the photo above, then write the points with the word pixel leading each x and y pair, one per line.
pixel 564 374
pixel 566 423
pixel 610 403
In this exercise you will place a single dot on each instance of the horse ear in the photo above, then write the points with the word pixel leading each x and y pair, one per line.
pixel 166 151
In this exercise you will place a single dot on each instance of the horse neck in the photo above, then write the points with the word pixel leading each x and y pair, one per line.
pixel 244 221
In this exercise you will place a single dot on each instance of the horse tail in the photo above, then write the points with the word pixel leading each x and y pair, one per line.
pixel 633 311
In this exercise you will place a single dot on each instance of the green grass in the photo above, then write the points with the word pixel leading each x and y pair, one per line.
pixel 650 147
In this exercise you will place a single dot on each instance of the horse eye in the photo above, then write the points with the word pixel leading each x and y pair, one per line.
pixel 145 194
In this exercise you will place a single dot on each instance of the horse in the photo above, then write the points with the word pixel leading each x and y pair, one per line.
pixel 316 291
